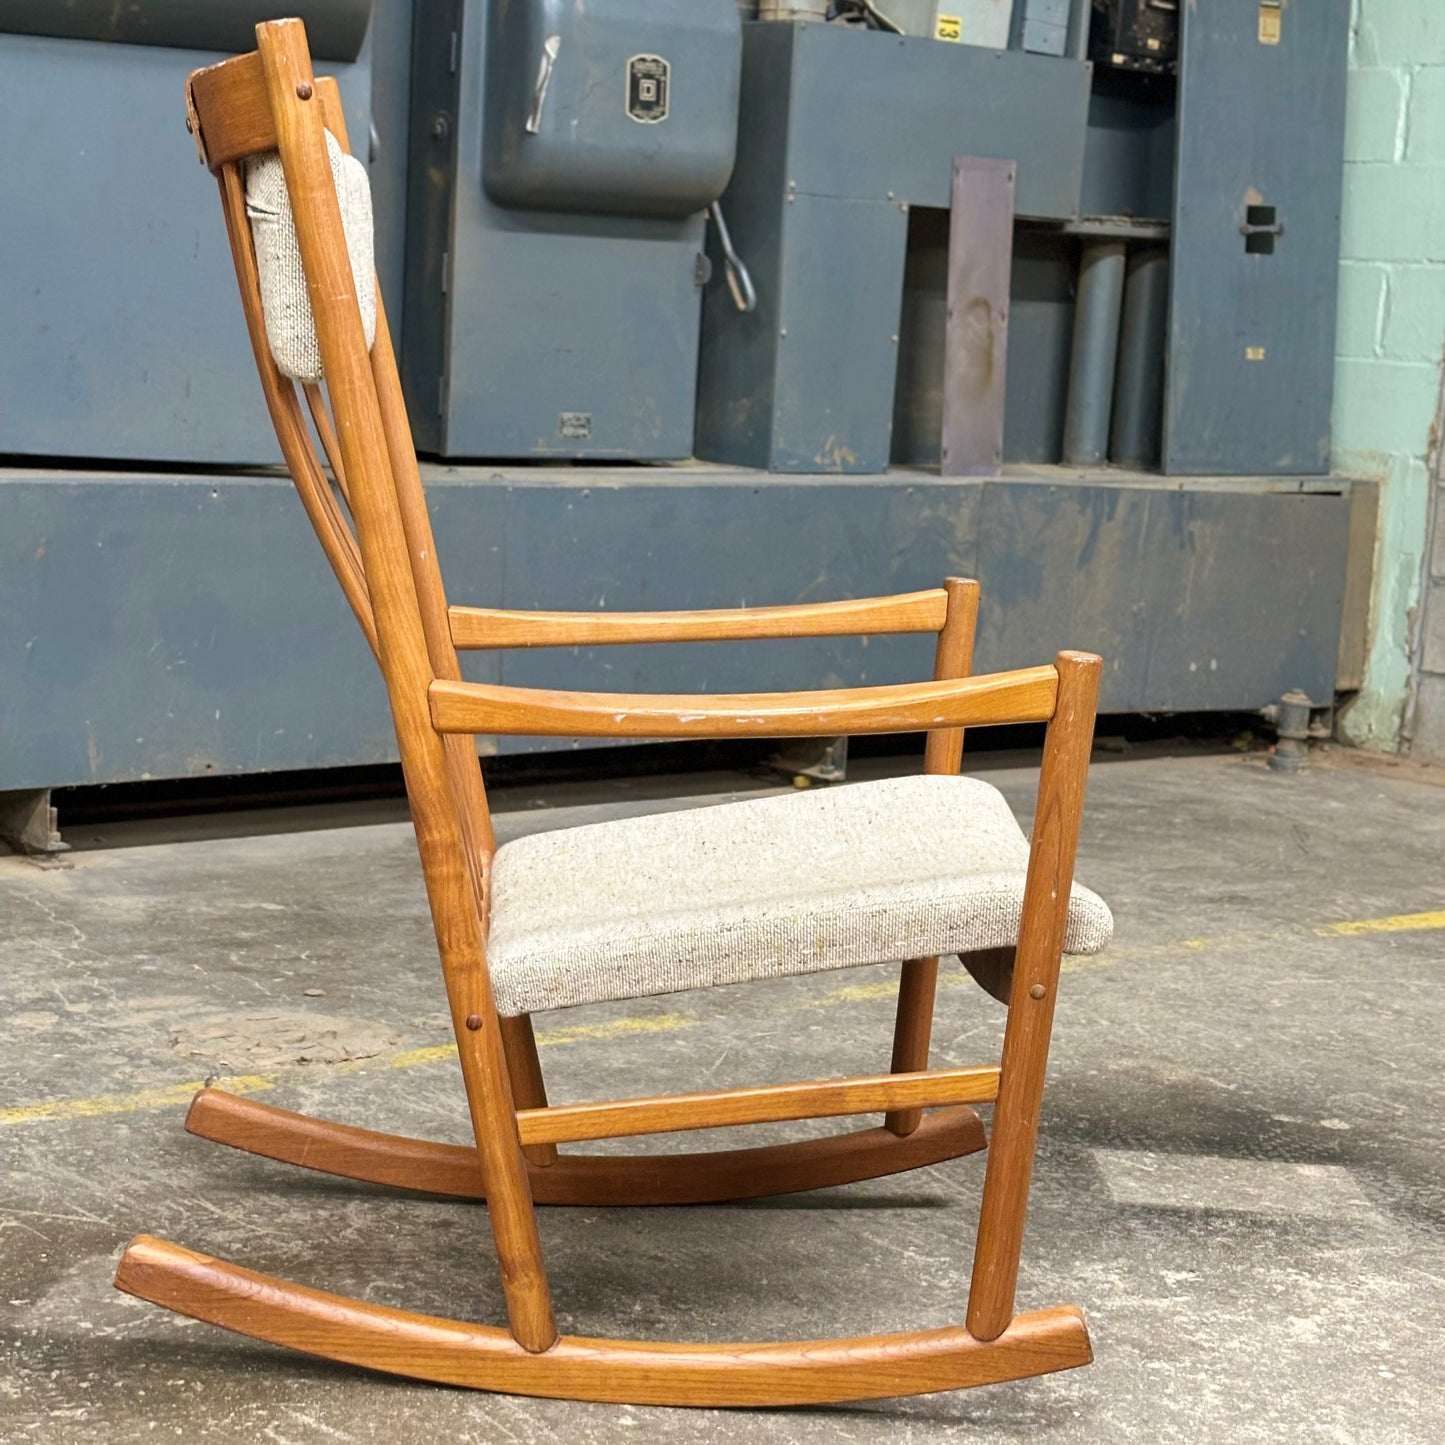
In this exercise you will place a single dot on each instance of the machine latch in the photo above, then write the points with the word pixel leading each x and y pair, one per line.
pixel 550 48
pixel 740 282
pixel 1259 229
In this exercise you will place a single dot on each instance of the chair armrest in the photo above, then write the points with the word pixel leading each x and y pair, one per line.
pixel 474 627
pixel 1027 695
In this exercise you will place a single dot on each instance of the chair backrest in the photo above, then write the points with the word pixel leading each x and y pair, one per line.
pixel 270 102
pixel 264 123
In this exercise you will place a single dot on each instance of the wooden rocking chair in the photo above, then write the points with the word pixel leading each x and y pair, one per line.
pixel 906 869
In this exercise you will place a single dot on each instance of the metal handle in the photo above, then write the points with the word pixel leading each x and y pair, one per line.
pixel 740 283
pixel 550 48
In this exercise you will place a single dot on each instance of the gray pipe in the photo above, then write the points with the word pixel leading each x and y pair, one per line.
pixel 1096 346
pixel 1139 385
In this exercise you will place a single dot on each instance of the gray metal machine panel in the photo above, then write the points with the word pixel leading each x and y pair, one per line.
pixel 737 365
pixel 174 627
pixel 123 336
pixel 807 207
pixel 1129 154
pixel 837 339
pixel 1251 344
pixel 688 544
pixel 629 106
pixel 433 97
pixel 186 626
pixel 1042 26
pixel 390 52
pixel 913 104
pixel 535 333
pixel 335 29
pixel 962 22
pixel 570 336
pixel 1196 599
pixel 165 626
pixel 1040 331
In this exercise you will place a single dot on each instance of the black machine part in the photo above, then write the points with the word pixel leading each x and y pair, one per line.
pixel 1141 35
pixel 335 29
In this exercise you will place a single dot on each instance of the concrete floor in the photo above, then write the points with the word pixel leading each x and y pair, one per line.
pixel 1239 1179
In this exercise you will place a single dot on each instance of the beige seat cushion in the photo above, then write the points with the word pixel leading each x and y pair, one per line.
pixel 290 326
pixel 866 873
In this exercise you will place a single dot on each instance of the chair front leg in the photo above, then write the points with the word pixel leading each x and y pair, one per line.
pixel 1031 998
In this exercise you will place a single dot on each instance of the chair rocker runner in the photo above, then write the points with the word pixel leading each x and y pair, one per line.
pixel 908 869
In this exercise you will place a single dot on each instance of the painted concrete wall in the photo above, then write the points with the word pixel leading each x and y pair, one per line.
pixel 1390 340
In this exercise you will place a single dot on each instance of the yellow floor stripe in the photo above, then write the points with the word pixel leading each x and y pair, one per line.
pixel 165 1097
pixel 618 1028
pixel 862 992
pixel 169 1096
pixel 1396 923
pixel 578 1033
pixel 173 1095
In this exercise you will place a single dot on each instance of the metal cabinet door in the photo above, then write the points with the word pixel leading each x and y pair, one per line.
pixel 121 337
pixel 1256 237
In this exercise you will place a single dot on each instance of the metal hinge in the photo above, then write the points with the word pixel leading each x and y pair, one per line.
pixel 456 45
pixel 443 385
pixel 446 272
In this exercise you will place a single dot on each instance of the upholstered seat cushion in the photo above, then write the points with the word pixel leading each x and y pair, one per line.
pixel 866 873
pixel 290 326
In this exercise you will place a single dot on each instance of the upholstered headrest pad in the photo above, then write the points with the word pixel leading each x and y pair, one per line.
pixel 290 326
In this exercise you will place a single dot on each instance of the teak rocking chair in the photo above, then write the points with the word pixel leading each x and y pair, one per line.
pixel 906 869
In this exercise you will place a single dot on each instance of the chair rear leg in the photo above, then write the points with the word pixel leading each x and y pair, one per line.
pixel 943 755
pixel 912 1032
pixel 529 1090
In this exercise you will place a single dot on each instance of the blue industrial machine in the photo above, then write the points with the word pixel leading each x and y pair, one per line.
pixel 563 159
pixel 119 327
pixel 677 287
pixel 827 199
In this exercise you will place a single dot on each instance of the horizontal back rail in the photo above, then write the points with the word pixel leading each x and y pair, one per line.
pixel 1005 697
pixel 474 627
pixel 230 112
pixel 767 1104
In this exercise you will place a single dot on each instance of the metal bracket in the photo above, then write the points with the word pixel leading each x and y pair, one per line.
pixel 29 824
pixel 806 761
pixel 1291 719
pixel 193 125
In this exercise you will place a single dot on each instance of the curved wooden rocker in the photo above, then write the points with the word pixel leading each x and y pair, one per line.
pixel 596 1180
pixel 424 1347
pixel 267 108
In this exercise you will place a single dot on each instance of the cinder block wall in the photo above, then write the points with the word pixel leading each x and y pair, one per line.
pixel 1389 354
